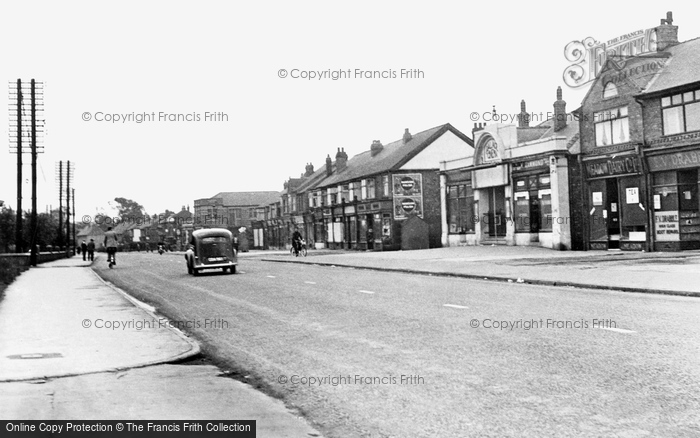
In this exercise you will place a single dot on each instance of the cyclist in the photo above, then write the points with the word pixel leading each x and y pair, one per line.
pixel 111 244
pixel 296 241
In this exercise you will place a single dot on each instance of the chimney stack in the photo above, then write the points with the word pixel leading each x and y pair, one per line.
pixel 666 33
pixel 377 146
pixel 309 170
pixel 406 136
pixel 341 159
pixel 477 127
pixel 329 165
pixel 559 112
pixel 524 117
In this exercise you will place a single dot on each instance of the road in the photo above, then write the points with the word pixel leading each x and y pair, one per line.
pixel 375 354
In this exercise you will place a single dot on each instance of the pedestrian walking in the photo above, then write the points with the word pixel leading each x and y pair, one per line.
pixel 83 249
pixel 91 250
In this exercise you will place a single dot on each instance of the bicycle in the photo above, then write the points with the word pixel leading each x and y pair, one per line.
pixel 300 252
pixel 110 258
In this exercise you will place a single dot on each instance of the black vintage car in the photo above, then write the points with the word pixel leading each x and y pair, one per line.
pixel 211 248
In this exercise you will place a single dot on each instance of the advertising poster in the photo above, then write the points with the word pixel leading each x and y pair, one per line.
pixel 408 195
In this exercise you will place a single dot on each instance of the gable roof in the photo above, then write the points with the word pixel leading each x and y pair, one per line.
pixel 682 68
pixel 391 157
pixel 247 199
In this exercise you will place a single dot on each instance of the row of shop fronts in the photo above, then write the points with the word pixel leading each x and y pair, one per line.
pixel 621 172
pixel 387 198
pixel 645 202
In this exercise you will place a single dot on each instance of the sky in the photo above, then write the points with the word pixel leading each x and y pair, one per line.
pixel 218 113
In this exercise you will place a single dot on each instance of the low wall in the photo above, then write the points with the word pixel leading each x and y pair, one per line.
pixel 21 261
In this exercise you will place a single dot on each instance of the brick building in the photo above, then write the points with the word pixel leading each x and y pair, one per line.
pixel 640 140
pixel 363 202
pixel 234 211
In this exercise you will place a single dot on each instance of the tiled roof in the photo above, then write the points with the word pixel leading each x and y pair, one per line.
pixel 545 130
pixel 314 179
pixel 391 157
pixel 247 199
pixel 683 67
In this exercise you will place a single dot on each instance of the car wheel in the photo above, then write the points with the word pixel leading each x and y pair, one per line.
pixel 232 269
pixel 195 272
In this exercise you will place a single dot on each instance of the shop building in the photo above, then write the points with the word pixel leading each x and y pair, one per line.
pixel 640 140
pixel 386 198
pixel 671 132
pixel 514 188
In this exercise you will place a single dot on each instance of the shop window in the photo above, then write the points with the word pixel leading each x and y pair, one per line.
pixel 533 204
pixel 460 208
pixel 665 191
pixel 681 113
pixel 611 126
pixel 610 90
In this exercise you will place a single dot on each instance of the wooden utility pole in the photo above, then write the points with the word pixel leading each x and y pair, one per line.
pixel 68 241
pixel 33 247
pixel 18 223
pixel 60 204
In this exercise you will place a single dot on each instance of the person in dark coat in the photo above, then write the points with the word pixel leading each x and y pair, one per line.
pixel 91 250
pixel 83 249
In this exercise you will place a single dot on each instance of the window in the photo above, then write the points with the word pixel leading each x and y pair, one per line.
pixel 533 204
pixel 371 191
pixel 385 183
pixel 364 189
pixel 681 112
pixel 611 126
pixel 330 196
pixel 610 90
pixel 460 208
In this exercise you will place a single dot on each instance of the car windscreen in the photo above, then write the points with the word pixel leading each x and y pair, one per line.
pixel 215 246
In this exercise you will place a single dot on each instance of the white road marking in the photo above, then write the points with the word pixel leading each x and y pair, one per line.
pixel 310 282
pixel 455 306
pixel 271 276
pixel 366 291
pixel 612 329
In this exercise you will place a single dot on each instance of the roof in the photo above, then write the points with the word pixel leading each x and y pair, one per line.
pixel 546 129
pixel 682 67
pixel 314 179
pixel 212 232
pixel 247 199
pixel 391 157
pixel 90 230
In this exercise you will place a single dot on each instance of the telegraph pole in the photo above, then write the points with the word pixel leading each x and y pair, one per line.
pixel 18 222
pixel 73 195
pixel 33 249
pixel 19 129
pixel 60 204
pixel 68 241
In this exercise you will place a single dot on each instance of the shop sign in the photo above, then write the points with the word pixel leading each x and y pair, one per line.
pixel 613 166
pixel 526 165
pixel 666 226
pixel 676 138
pixel 678 160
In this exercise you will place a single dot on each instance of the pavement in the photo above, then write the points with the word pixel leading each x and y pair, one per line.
pixel 73 347
pixel 671 273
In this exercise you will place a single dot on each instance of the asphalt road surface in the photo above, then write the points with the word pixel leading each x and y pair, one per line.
pixel 375 354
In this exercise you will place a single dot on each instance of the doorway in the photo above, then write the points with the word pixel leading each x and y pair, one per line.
pixel 613 207
pixel 495 215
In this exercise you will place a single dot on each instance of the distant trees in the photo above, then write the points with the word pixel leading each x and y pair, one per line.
pixel 46 232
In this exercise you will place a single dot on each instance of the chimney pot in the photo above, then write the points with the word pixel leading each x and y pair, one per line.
pixel 559 112
pixel 407 136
